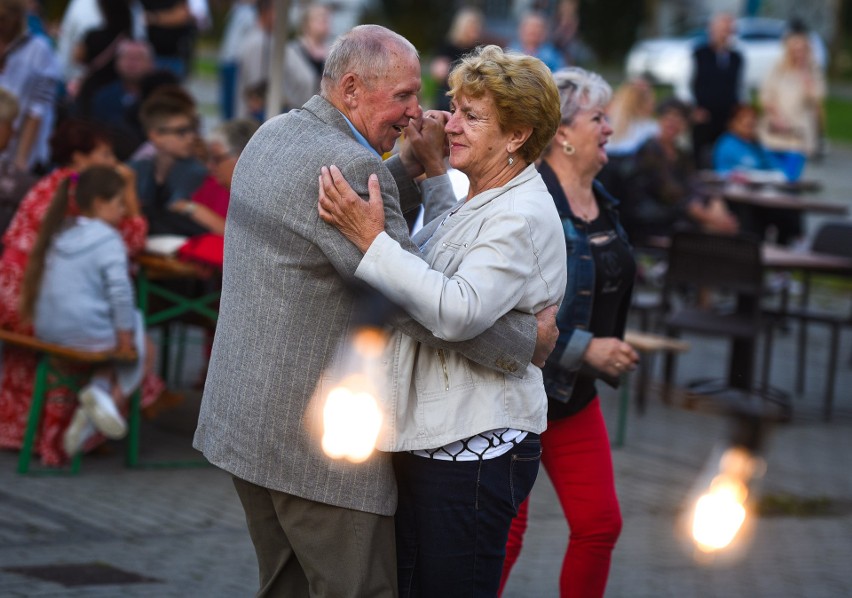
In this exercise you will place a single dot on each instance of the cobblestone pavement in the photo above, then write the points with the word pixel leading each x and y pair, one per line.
pixel 184 529
pixel 181 532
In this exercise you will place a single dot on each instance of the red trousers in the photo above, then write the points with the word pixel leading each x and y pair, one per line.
pixel 576 455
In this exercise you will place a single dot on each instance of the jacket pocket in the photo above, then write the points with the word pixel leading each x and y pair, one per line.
pixel 445 257
pixel 440 378
pixel 441 371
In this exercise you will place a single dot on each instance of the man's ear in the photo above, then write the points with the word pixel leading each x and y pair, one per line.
pixel 350 88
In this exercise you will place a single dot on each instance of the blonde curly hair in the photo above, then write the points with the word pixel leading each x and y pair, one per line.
pixel 522 88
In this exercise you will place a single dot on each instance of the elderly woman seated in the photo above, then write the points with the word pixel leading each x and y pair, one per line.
pixel 662 193
pixel 466 438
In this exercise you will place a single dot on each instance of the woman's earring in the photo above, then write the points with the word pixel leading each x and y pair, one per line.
pixel 511 160
pixel 568 148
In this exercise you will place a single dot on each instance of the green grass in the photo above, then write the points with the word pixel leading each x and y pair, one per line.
pixel 788 505
pixel 839 119
pixel 205 65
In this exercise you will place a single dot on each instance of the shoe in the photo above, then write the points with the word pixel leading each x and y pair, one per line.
pixel 101 409
pixel 79 431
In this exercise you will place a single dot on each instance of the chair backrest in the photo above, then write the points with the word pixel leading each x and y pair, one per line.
pixel 724 262
pixel 834 238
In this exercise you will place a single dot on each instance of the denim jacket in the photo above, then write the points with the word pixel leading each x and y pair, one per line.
pixel 575 313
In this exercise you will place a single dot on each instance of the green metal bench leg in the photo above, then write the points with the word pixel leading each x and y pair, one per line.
pixel 76 461
pixel 181 353
pixel 34 417
pixel 623 406
pixel 133 432
pixel 165 350
pixel 40 390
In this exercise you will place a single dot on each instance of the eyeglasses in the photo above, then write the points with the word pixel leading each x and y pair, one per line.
pixel 217 159
pixel 179 131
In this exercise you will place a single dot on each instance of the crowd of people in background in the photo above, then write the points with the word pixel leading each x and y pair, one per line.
pixel 101 146
pixel 742 135
pixel 109 92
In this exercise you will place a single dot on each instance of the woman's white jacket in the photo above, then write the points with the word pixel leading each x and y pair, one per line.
pixel 501 250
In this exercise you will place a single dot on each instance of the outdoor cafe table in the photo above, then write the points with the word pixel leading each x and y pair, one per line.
pixel 778 257
pixel 782 258
pixel 769 198
pixel 711 178
pixel 774 257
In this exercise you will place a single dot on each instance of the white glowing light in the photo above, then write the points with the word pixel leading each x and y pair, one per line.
pixel 352 417
pixel 352 420
pixel 719 525
pixel 719 515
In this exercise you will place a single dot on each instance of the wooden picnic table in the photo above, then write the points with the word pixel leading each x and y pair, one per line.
pixel 163 266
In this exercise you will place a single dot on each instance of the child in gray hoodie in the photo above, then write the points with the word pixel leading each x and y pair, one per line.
pixel 78 291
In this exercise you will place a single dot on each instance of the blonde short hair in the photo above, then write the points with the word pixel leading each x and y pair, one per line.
pixel 522 88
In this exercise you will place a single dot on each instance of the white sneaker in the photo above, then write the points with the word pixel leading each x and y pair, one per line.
pixel 101 409
pixel 78 432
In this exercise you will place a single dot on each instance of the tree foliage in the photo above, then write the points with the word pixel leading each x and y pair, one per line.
pixel 610 27
pixel 423 22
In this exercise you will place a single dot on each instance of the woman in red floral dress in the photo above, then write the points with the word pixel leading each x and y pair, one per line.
pixel 75 146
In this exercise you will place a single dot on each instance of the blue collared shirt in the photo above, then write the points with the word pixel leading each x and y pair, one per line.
pixel 358 137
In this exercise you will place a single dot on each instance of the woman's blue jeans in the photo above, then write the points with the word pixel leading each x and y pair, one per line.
pixel 453 519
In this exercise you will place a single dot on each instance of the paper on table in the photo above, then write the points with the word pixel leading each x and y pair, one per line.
pixel 164 244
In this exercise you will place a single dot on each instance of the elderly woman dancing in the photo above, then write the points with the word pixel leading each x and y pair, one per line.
pixel 601 269
pixel 466 438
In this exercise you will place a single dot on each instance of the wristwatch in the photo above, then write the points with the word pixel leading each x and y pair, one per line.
pixel 189 209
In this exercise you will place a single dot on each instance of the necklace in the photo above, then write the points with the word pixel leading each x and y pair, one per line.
pixel 572 190
pixel 584 215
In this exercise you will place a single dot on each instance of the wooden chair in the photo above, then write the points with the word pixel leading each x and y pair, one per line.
pixel 51 374
pixel 731 265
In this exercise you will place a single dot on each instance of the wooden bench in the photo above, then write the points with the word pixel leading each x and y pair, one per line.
pixel 646 344
pixel 50 375
pixel 650 344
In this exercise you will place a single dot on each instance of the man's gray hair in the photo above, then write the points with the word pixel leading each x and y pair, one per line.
pixel 234 135
pixel 364 50
pixel 580 89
